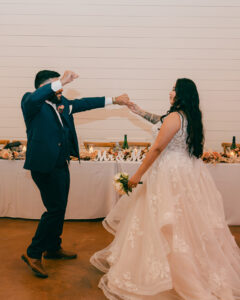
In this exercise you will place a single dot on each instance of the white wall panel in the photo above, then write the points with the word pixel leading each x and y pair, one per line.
pixel 140 47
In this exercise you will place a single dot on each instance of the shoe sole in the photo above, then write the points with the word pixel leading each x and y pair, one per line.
pixel 36 272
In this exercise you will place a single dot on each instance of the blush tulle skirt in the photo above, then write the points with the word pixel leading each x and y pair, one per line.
pixel 171 239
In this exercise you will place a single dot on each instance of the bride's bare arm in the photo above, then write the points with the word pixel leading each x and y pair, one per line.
pixel 169 128
pixel 153 118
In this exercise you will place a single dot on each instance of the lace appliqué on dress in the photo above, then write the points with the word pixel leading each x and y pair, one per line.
pixel 178 142
pixel 157 268
pixel 112 257
pixel 154 204
pixel 179 245
pixel 126 282
pixel 218 280
pixel 134 231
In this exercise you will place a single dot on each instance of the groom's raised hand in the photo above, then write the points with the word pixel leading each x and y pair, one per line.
pixel 121 100
pixel 68 77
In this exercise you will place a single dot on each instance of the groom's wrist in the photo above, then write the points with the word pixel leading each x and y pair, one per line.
pixel 108 101
pixel 56 85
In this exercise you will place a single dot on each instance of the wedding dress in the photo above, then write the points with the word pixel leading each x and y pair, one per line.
pixel 171 238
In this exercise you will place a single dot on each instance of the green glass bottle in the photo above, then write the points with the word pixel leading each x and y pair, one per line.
pixel 233 146
pixel 125 143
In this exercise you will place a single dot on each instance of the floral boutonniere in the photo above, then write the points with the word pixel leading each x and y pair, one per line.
pixel 60 108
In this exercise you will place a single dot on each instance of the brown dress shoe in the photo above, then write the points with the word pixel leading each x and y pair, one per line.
pixel 35 265
pixel 59 254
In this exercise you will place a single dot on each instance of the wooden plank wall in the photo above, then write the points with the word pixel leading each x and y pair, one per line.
pixel 140 47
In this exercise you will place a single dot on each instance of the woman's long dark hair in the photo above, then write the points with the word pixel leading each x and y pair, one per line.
pixel 187 101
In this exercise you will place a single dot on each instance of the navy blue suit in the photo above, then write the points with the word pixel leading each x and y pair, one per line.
pixel 50 143
pixel 44 130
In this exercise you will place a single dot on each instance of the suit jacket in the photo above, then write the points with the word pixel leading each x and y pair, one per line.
pixel 44 129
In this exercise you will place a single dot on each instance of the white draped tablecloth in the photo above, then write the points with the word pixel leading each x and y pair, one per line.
pixel 91 190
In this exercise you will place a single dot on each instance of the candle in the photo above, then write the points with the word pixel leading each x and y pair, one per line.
pixel 24 148
pixel 91 149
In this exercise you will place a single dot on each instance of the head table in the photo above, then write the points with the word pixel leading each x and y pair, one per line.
pixel 92 194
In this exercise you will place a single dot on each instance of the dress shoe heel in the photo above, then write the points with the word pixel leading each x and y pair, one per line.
pixel 59 254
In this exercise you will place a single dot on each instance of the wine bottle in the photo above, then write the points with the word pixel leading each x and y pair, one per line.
pixel 125 143
pixel 233 146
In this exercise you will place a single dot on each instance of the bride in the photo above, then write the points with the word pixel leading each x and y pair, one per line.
pixel 171 239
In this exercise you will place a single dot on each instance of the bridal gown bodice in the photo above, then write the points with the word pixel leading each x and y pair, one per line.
pixel 171 239
pixel 178 142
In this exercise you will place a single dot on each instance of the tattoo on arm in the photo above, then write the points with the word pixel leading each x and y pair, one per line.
pixel 146 115
pixel 151 117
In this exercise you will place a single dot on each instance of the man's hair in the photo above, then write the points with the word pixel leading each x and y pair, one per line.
pixel 43 76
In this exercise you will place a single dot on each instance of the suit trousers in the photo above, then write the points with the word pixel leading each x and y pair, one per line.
pixel 54 189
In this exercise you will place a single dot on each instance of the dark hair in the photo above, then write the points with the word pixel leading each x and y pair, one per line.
pixel 43 76
pixel 187 101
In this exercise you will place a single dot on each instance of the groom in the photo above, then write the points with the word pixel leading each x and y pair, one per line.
pixel 52 139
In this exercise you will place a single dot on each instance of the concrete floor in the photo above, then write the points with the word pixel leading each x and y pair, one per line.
pixel 68 280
